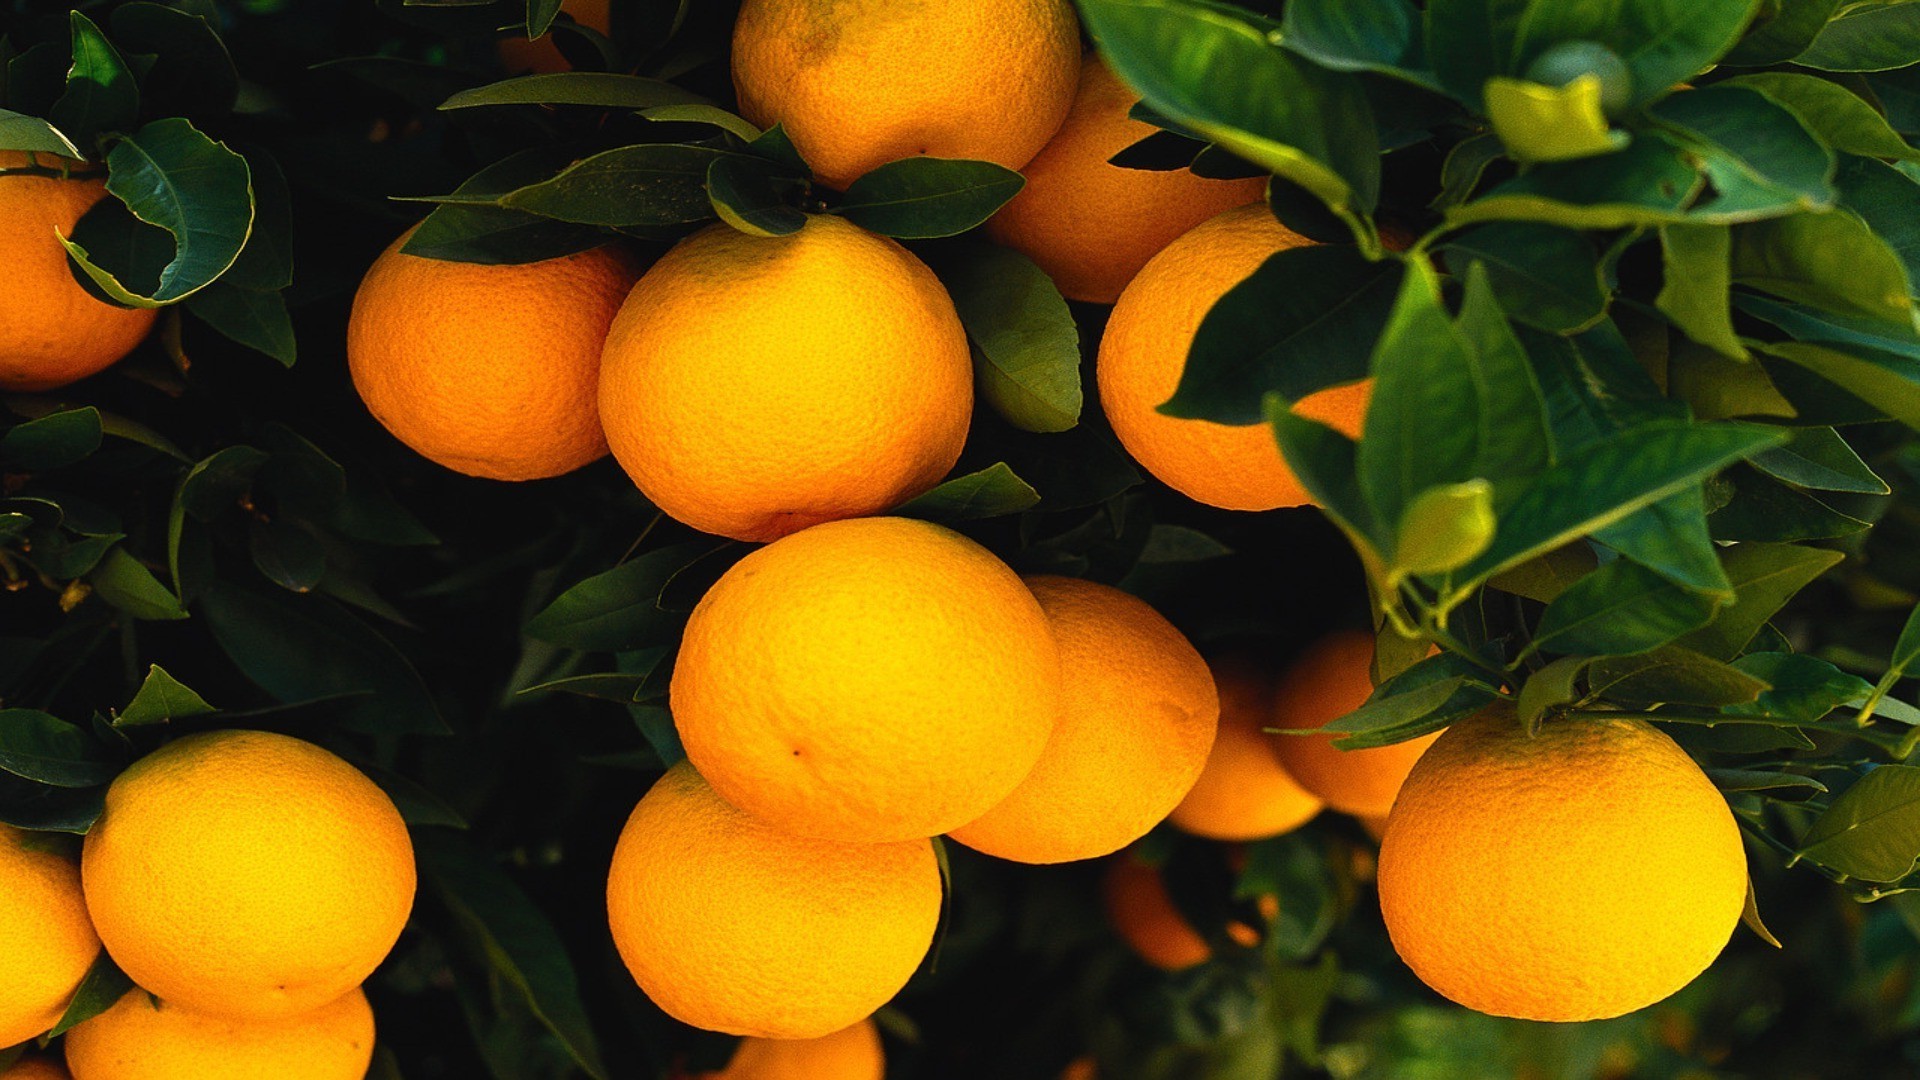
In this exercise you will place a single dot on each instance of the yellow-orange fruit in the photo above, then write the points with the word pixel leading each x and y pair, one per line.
pixel 47 942
pixel 35 1068
pixel 490 371
pixel 1084 1068
pixel 1144 351
pixel 1244 793
pixel 753 386
pixel 1137 718
pixel 1332 678
pixel 874 679
pixel 1580 874
pixel 247 875
pixel 143 1039
pixel 859 83
pixel 53 331
pixel 541 56
pixel 852 1053
pixel 735 926
pixel 1146 919
pixel 1090 224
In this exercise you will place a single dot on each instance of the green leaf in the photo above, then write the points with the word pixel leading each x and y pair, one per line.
pixel 577 88
pixel 1872 830
pixel 101 97
pixel 1514 439
pixel 192 73
pixel 249 317
pixel 417 805
pixel 1761 159
pixel 651 185
pixel 994 491
pixel 1804 688
pixel 1820 458
pixel 1464 167
pixel 1549 688
pixel 1760 508
pixel 266 263
pixel 745 194
pixel 1307 319
pixel 1618 610
pixel 1546 277
pixel 1717 387
pixel 1604 481
pixel 104 985
pixel 1867 37
pixel 173 177
pixel 289 555
pixel 1671 537
pixel 1781 31
pixel 51 751
pixel 122 581
pixel 619 608
pixel 923 198
pixel 1830 260
pixel 1026 346
pixel 1696 277
pixel 1662 42
pixel 209 486
pixel 1444 528
pixel 34 135
pixel 512 937
pixel 1672 675
pixel 1888 200
pixel 1839 117
pixel 1889 381
pixel 495 235
pixel 1422 699
pixel 1217 71
pixel 1546 576
pixel 52 441
pixel 1764 578
pixel 161 699
pixel 1381 36
pixel 1550 123
pixel 703 113
pixel 1648 183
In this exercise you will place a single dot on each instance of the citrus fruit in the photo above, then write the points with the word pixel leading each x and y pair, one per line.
pixel 1569 60
pixel 46 941
pixel 1579 874
pixel 1244 793
pixel 1144 915
pixel 143 1039
pixel 732 925
pixel 852 1053
pixel 1144 351
pixel 874 679
pixel 541 56
pixel 1137 718
pixel 754 386
pixel 488 370
pixel 53 331
pixel 1332 678
pixel 35 1068
pixel 859 83
pixel 1090 224
pixel 247 875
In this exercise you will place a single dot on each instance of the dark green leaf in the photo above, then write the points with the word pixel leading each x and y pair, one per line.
pixel 161 699
pixel 289 555
pixel 577 88
pixel 1514 439
pixel 52 441
pixel 266 262
pixel 1819 458
pixel 1027 348
pixel 1549 688
pixel 1620 609
pixel 1778 785
pixel 1889 381
pixel 1841 118
pixel 1781 32
pixel 1358 35
pixel 1867 37
pixel 417 805
pixel 495 234
pixel 1695 260
pixel 192 73
pixel 745 195
pixel 51 751
pixel 1671 538
pixel 1544 276
pixel 1672 675
pixel 104 985
pixel 651 185
pixel 618 609
pixel 1649 183
pixel 1804 688
pixel 994 491
pixel 1762 161
pixel 1663 42
pixel 121 580
pixel 101 97
pixel 1761 508
pixel 1423 419
pixel 922 198
pixel 1422 699
pixel 1830 260
pixel 1764 578
pixel 1718 387
pixel 1888 200
pixel 32 134
pixel 253 318
pixel 1872 830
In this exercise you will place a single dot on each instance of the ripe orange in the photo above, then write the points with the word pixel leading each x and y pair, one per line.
pixel 1244 793
pixel 753 386
pixel 1144 915
pixel 859 83
pixel 1144 352
pixel 1328 681
pixel 1138 717
pixel 732 925
pixel 35 1068
pixel 143 1039
pixel 52 331
pixel 852 1053
pixel 488 370
pixel 1090 224
pixel 1580 874
pixel 46 941
pixel 247 875
pixel 541 56
pixel 874 679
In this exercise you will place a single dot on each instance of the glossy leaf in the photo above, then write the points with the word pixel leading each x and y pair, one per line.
pixel 462 232
pixel 618 608
pixel 1867 37
pixel 1381 36
pixel 923 198
pixel 30 133
pixel 1648 183
pixel 101 96
pixel 104 985
pixel 1829 260
pixel 1872 830
pixel 1889 381
pixel 51 751
pixel 254 318
pixel 1514 439
pixel 1662 42
pixel 1671 537
pixel 592 88
pixel 1764 578
pixel 1026 346
pixel 52 441
pixel 651 185
pixel 1761 159
pixel 161 699
pixel 745 194
pixel 1673 675
pixel 1543 276
pixel 1820 458
pixel 994 491
pixel 1781 31
pixel 1839 117
pixel 1620 609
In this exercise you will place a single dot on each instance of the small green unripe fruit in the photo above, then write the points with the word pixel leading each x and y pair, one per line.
pixel 1569 60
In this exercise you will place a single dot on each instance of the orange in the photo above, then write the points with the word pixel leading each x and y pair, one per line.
pixel 1328 681
pixel 1580 874
pixel 35 1068
pixel 1144 351
pixel 735 926
pixel 1083 1068
pixel 755 386
pixel 53 331
pixel 247 875
pixel 1144 915
pixel 46 941
pixel 1244 793
pixel 852 1053
pixel 1138 716
pixel 143 1039
pixel 541 56
pixel 488 370
pixel 859 83
pixel 1090 224
pixel 875 679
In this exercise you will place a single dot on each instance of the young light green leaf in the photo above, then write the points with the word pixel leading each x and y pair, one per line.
pixel 1696 276
pixel 1444 528
pixel 1872 830
pixel 161 699
pixel 1550 123
pixel 1026 346
pixel 1830 260
pixel 1550 687
pixel 924 198
pixel 994 491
